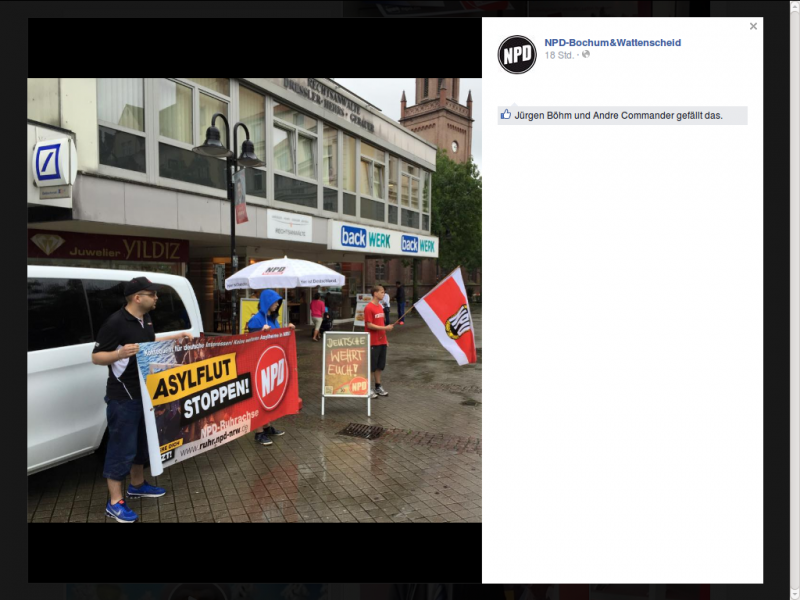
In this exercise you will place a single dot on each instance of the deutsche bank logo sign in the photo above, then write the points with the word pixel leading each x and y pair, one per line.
pixel 409 243
pixel 47 162
pixel 354 237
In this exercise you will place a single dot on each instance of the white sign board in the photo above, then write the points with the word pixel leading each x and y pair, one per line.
pixel 361 303
pixel 346 366
pixel 55 163
pixel 288 226
pixel 373 240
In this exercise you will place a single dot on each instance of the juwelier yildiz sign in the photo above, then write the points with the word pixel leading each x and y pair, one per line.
pixel 360 238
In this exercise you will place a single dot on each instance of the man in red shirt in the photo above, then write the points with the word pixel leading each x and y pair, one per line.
pixel 374 319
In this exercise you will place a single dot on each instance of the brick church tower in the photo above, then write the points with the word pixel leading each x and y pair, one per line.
pixel 438 117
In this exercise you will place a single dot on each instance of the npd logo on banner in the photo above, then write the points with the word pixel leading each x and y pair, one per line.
pixel 272 377
pixel 517 54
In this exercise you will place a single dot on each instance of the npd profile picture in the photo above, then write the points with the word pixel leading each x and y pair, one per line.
pixel 517 54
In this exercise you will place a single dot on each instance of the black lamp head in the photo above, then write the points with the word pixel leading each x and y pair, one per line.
pixel 213 145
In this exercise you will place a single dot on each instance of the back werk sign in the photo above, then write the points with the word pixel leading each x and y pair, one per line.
pixel 201 394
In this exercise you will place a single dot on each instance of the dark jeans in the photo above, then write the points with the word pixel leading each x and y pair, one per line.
pixel 401 308
pixel 386 313
pixel 127 439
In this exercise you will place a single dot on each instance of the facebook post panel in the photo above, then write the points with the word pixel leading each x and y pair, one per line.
pixel 628 156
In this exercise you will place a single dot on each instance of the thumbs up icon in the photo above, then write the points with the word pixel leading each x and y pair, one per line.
pixel 505 115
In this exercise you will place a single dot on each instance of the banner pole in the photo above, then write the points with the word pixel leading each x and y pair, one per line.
pixel 324 344
pixel 409 309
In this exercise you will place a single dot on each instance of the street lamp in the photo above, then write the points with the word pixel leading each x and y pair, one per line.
pixel 214 148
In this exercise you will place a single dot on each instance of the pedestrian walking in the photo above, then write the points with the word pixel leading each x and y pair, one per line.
pixel 386 304
pixel 317 312
pixel 400 297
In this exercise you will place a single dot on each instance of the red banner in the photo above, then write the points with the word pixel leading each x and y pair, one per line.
pixel 68 244
pixel 212 390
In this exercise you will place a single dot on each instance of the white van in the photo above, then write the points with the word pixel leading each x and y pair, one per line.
pixel 66 307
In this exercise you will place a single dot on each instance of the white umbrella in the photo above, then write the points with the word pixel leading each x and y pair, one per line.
pixel 283 273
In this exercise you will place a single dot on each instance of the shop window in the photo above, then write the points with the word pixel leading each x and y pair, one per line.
pixel 349 163
pixel 120 117
pixel 188 166
pixel 120 102
pixel 349 204
pixel 373 164
pixel 252 113
pixel 392 179
pixel 295 117
pixel 371 210
pixel 330 137
pixel 380 270
pixel 222 86
pixel 57 314
pixel 294 191
pixel 121 149
pixel 306 152
pixel 256 182
pixel 410 219
pixel 294 150
pixel 283 149
pixel 330 200
pixel 175 112
pixel 426 193
pixel 185 111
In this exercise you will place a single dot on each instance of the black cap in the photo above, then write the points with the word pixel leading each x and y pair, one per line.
pixel 137 284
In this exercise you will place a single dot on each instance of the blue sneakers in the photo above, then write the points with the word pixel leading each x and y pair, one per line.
pixel 145 491
pixel 121 512
pixel 272 431
pixel 263 439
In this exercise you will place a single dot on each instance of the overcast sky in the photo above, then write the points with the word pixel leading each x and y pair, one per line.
pixel 386 94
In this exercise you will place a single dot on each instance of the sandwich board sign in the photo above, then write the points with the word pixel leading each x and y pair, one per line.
pixel 361 303
pixel 345 366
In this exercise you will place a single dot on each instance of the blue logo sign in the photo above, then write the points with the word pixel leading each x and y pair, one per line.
pixel 354 237
pixel 409 243
pixel 47 156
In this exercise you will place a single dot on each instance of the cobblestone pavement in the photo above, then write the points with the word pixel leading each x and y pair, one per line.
pixel 426 467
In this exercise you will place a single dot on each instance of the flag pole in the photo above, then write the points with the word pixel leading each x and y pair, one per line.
pixel 409 310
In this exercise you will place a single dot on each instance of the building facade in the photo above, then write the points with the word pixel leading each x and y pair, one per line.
pixel 341 182
pixel 436 116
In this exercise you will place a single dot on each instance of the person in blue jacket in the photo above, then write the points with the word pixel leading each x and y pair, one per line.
pixel 266 318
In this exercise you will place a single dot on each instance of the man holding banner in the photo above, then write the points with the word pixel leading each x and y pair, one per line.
pixel 117 343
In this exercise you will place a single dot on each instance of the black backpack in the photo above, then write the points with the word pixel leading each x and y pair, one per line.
pixel 327 322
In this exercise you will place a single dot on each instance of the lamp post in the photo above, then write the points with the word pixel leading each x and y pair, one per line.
pixel 213 147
